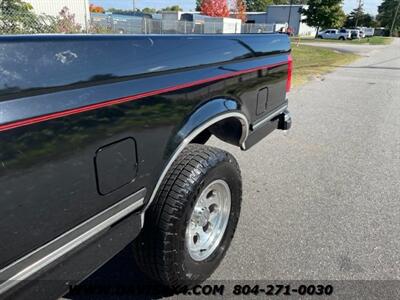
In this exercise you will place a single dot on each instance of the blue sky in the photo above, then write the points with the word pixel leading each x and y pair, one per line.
pixel 369 5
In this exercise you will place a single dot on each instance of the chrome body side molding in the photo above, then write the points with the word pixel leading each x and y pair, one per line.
pixel 44 256
pixel 276 112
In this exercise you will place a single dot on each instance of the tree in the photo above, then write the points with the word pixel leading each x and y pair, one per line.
pixel 389 15
pixel 122 11
pixel 96 9
pixel 258 5
pixel 363 18
pixel 148 10
pixel 172 8
pixel 215 8
pixel 66 23
pixel 198 5
pixel 16 16
pixel 238 8
pixel 324 14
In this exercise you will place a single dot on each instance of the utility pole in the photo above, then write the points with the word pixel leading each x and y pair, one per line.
pixel 394 19
pixel 134 5
pixel 360 5
pixel 290 13
pixel 87 14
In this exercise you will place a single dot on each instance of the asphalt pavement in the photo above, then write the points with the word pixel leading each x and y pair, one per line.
pixel 322 200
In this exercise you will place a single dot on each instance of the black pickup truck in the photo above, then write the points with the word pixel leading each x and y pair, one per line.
pixel 102 145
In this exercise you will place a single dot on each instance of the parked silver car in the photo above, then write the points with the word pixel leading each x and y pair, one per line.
pixel 336 34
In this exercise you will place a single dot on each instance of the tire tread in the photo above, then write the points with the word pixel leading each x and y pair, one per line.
pixel 153 252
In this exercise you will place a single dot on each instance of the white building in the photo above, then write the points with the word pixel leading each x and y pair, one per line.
pixel 222 25
pixel 254 17
pixel 281 14
pixel 211 24
pixel 53 7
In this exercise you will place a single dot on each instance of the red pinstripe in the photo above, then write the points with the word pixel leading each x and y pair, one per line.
pixel 106 103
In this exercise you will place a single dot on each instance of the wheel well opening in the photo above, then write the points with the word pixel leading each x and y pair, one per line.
pixel 229 130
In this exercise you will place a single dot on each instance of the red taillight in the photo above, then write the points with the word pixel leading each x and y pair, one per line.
pixel 289 75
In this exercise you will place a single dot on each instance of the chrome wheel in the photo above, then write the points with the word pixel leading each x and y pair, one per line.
pixel 209 220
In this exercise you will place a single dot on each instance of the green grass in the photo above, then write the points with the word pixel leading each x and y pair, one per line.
pixel 310 62
pixel 375 40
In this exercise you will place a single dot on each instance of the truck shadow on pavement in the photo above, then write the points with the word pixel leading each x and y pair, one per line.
pixel 119 278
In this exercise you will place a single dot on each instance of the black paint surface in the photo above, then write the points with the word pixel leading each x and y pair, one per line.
pixel 47 170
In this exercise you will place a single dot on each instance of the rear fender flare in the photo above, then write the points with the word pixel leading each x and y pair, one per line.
pixel 204 117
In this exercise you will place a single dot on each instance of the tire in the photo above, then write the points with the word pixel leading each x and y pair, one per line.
pixel 163 250
pixel 341 38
